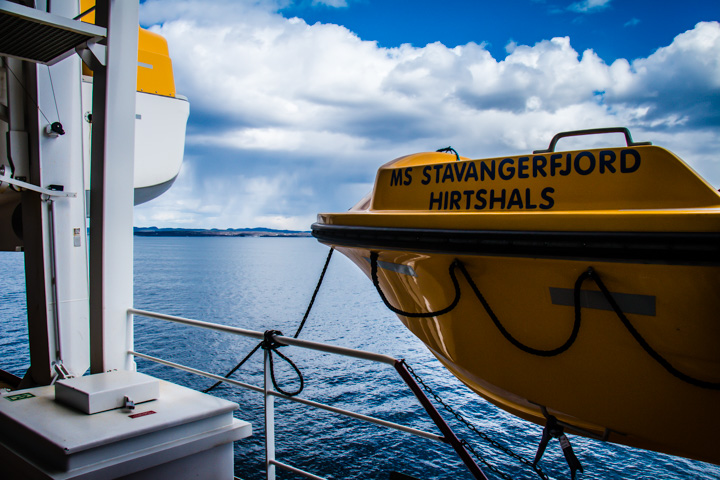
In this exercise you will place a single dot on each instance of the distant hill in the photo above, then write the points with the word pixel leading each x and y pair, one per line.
pixel 214 232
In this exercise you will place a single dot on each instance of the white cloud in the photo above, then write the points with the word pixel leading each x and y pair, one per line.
pixel 331 3
pixel 209 13
pixel 678 84
pixel 228 201
pixel 281 140
pixel 588 6
pixel 288 119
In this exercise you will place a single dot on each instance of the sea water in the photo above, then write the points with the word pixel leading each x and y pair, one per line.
pixel 267 283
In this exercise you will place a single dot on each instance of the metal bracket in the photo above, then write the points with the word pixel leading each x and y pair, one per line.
pixel 61 371
pixel 128 404
pixel 92 54
pixel 574 428
pixel 29 186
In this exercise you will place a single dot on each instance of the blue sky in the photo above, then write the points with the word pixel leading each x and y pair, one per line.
pixel 613 29
pixel 294 105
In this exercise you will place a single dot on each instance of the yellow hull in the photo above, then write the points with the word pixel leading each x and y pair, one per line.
pixel 605 382
pixel 647 375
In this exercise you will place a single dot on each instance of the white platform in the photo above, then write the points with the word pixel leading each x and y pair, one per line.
pixel 182 434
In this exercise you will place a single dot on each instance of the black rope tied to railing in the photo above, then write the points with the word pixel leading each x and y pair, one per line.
pixel 297 333
pixel 590 273
pixel 271 346
pixel 234 369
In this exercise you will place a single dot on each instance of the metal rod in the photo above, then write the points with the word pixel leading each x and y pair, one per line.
pixel 296 342
pixel 53 272
pixel 198 323
pixel 348 352
pixel 35 188
pixel 365 418
pixel 197 372
pixel 440 422
pixel 296 470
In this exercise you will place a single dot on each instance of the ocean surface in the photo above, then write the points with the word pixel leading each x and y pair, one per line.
pixel 267 283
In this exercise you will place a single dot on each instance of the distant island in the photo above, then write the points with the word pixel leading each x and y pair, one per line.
pixel 214 232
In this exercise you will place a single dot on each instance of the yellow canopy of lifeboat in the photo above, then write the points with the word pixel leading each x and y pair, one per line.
pixel 155 72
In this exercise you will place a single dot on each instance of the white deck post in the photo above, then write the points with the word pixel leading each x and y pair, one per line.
pixel 269 419
pixel 111 189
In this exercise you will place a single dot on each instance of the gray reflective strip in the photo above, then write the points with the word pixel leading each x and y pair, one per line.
pixel 628 302
pixel 145 65
pixel 395 267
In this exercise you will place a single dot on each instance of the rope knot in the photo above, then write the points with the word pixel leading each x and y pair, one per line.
pixel 271 345
pixel 269 342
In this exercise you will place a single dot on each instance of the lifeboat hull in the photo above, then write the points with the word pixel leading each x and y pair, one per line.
pixel 525 325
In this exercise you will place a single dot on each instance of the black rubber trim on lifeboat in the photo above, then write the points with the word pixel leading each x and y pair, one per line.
pixel 684 248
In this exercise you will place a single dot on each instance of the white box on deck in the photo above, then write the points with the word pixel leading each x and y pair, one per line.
pixel 106 391
pixel 182 435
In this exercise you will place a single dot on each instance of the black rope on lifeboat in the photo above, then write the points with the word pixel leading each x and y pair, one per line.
pixel 525 348
pixel 590 273
pixel 453 304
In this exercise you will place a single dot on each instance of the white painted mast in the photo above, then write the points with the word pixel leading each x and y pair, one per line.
pixel 111 189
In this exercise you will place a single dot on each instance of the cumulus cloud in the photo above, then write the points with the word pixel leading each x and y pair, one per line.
pixel 288 119
pixel 679 85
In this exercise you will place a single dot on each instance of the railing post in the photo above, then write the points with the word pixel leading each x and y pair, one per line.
pixel 269 419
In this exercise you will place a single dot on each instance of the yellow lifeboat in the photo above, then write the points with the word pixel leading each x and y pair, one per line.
pixel 580 285
pixel 160 119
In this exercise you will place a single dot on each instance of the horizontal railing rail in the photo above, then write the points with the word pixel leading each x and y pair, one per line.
pixel 269 394
pixel 296 342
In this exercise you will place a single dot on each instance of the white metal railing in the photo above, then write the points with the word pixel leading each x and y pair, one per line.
pixel 269 394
